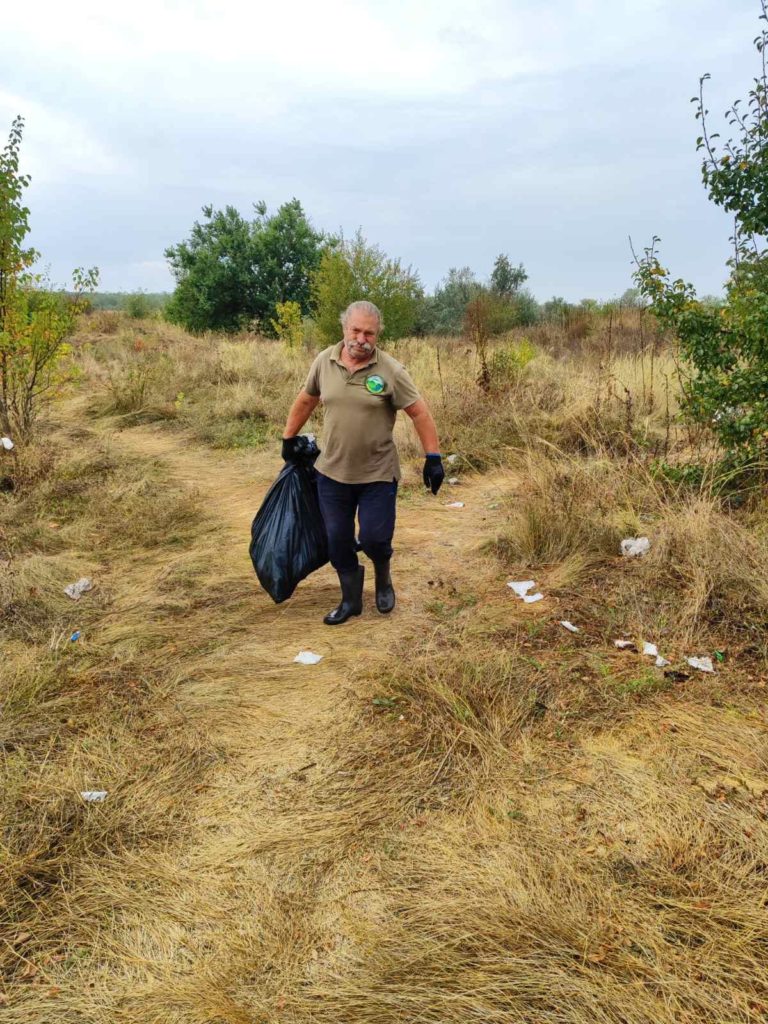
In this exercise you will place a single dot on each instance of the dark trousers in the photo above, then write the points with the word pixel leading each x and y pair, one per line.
pixel 374 504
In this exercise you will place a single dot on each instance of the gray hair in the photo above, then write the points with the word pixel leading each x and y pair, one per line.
pixel 362 306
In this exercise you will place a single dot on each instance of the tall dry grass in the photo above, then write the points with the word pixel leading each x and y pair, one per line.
pixel 501 821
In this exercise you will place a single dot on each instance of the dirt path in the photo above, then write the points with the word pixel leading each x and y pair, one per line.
pixel 430 538
pixel 269 717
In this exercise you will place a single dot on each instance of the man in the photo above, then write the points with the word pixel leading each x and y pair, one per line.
pixel 362 389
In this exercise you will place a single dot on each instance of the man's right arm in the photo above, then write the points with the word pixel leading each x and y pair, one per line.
pixel 303 407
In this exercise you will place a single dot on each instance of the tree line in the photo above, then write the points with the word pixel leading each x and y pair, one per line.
pixel 274 271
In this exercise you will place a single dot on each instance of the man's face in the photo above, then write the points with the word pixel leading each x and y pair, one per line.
pixel 361 333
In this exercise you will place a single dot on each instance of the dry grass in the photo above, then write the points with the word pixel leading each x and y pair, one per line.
pixel 704 581
pixel 496 821
pixel 234 393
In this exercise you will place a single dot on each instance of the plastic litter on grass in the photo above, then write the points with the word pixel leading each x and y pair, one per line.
pixel 569 626
pixel 76 590
pixel 455 504
pixel 453 480
pixel 7 443
pixel 702 664
pixel 94 796
pixel 625 645
pixel 631 547
pixel 521 587
pixel 75 636
pixel 308 658
pixel 651 650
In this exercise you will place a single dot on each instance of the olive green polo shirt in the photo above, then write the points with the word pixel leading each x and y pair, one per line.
pixel 360 411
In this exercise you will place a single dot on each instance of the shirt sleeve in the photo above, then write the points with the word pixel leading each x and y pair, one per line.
pixel 312 383
pixel 404 392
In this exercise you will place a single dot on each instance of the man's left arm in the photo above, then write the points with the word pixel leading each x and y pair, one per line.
pixel 421 417
pixel 425 426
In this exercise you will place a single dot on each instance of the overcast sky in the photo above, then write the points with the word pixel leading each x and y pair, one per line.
pixel 448 130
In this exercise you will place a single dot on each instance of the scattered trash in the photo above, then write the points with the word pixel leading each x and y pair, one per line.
pixel 494 505
pixel 75 636
pixel 625 645
pixel 7 443
pixel 76 590
pixel 651 650
pixel 632 546
pixel 455 504
pixel 521 587
pixel 94 796
pixel 451 459
pixel 661 662
pixel 308 658
pixel 676 675
pixel 569 625
pixel 702 664
pixel 453 480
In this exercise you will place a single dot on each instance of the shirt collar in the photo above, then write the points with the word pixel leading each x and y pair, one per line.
pixel 336 357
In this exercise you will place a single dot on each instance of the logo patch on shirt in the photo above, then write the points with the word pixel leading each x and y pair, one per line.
pixel 375 384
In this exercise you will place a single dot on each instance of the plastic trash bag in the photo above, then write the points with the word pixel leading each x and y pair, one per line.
pixel 288 539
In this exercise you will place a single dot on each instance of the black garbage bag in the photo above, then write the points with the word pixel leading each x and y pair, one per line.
pixel 288 539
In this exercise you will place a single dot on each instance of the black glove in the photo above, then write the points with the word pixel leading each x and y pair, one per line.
pixel 433 474
pixel 292 450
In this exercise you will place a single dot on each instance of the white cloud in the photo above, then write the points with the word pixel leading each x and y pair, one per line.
pixel 56 146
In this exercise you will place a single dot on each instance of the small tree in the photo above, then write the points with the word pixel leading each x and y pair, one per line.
pixel 507 280
pixel 724 349
pixel 289 325
pixel 452 296
pixel 476 331
pixel 34 320
pixel 358 270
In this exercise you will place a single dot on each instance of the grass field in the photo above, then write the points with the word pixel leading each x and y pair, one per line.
pixel 465 812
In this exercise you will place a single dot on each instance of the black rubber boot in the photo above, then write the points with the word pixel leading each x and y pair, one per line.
pixel 351 597
pixel 385 592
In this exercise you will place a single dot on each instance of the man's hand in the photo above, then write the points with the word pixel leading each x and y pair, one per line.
pixel 291 450
pixel 433 474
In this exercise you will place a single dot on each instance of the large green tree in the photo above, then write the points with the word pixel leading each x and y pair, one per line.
pixel 231 272
pixel 355 269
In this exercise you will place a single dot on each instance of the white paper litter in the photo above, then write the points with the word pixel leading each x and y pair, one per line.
pixel 455 504
pixel 623 645
pixel 632 546
pixel 451 459
pixel 569 626
pixel 521 587
pixel 661 662
pixel 76 590
pixel 453 480
pixel 702 664
pixel 651 650
pixel 94 796
pixel 530 598
pixel 308 658
pixel 7 443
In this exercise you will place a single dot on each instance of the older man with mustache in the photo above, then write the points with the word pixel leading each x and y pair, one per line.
pixel 362 389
